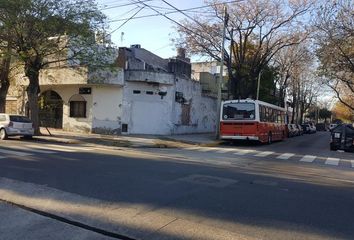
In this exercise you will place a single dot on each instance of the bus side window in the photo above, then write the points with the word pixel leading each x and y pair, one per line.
pixel 262 113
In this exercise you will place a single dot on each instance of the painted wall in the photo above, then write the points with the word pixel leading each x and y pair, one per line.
pixel 202 109
pixel 81 75
pixel 107 109
pixel 145 113
pixel 69 123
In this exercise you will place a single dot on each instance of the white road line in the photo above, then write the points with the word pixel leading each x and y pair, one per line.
pixel 32 150
pixel 285 156
pixel 243 152
pixel 81 148
pixel 332 161
pixel 226 150
pixel 352 161
pixel 264 154
pixel 17 153
pixel 206 149
pixel 51 148
pixel 308 158
pixel 1 157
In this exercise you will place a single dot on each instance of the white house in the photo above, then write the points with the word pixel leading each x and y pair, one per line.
pixel 143 94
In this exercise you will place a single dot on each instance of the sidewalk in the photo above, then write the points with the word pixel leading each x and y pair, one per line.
pixel 134 141
pixel 17 223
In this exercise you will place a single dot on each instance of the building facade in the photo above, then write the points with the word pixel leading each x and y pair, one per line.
pixel 143 94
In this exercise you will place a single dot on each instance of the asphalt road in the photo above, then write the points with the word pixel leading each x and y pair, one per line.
pixel 296 189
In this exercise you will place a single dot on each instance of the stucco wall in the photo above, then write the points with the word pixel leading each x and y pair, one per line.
pixel 202 113
pixel 107 109
pixel 145 113
pixel 69 123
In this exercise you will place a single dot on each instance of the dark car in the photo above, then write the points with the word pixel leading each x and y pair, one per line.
pixel 306 128
pixel 342 138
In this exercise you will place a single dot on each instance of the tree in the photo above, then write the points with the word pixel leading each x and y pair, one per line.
pixel 324 114
pixel 342 112
pixel 47 33
pixel 335 37
pixel 5 61
pixel 258 29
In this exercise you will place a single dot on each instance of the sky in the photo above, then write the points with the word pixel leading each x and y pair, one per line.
pixel 152 33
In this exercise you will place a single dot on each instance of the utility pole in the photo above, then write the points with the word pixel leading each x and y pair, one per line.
pixel 258 84
pixel 220 79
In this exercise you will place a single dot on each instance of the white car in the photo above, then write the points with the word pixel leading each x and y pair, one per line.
pixel 15 125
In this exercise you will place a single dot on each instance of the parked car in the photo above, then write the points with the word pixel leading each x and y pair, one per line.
pixel 301 130
pixel 15 125
pixel 296 130
pixel 321 127
pixel 306 128
pixel 313 128
pixel 292 130
pixel 342 137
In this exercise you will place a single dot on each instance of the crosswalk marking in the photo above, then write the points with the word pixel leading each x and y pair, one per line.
pixel 308 158
pixel 332 161
pixel 226 150
pixel 17 153
pixel 33 150
pixel 242 152
pixel 51 148
pixel 285 156
pixel 264 154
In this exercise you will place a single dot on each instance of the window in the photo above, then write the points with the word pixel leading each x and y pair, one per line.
pixel 136 91
pixel 149 92
pixel 2 118
pixel 239 111
pixel 78 109
pixel 22 119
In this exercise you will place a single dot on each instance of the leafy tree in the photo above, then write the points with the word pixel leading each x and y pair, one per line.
pixel 258 29
pixel 335 37
pixel 342 112
pixel 47 33
pixel 325 114
pixel 5 61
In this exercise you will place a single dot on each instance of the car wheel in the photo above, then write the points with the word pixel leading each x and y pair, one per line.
pixel 333 148
pixel 3 134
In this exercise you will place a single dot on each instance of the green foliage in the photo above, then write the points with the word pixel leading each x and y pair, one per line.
pixel 268 90
pixel 51 33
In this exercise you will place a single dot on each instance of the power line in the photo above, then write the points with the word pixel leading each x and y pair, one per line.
pixel 127 20
pixel 175 11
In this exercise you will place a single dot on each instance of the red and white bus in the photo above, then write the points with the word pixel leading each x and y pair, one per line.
pixel 252 120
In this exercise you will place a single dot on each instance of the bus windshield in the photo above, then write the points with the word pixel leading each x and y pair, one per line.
pixel 238 111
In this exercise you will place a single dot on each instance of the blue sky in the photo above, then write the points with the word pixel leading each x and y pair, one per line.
pixel 153 33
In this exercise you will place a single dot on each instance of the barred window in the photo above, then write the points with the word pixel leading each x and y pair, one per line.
pixel 78 109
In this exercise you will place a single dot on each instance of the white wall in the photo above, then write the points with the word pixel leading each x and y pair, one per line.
pixel 147 114
pixel 69 123
pixel 203 109
pixel 107 109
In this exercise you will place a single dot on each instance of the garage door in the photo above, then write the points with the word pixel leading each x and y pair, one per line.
pixel 150 118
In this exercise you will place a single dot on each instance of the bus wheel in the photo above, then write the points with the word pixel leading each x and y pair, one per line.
pixel 269 138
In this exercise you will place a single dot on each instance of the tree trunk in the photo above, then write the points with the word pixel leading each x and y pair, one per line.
pixel 4 81
pixel 4 87
pixel 32 72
